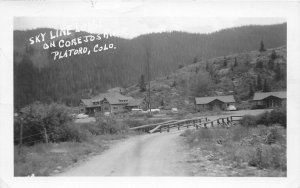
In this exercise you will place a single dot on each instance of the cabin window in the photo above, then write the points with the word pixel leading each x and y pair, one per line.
pixel 115 108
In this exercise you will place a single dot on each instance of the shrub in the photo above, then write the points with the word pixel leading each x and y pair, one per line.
pixel 278 116
pixel 263 118
pixel 239 132
pixel 133 123
pixel 77 133
pixel 186 133
pixel 111 126
pixel 248 121
pixel 38 118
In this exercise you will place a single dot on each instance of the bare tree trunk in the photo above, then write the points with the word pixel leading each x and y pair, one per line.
pixel 45 134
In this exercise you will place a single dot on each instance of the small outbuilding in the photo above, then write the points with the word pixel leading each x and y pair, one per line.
pixel 270 99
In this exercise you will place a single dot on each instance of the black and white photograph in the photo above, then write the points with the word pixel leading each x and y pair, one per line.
pixel 153 94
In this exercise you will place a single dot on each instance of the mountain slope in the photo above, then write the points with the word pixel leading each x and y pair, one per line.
pixel 214 77
pixel 38 77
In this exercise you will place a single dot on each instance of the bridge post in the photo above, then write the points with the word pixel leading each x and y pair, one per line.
pixel 168 130
pixel 160 129
pixel 231 118
pixel 194 123
pixel 205 126
pixel 197 126
pixel 212 123
pixel 187 124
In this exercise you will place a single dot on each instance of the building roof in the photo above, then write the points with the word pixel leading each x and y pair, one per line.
pixel 111 97
pixel 206 100
pixel 261 96
pixel 87 102
pixel 135 102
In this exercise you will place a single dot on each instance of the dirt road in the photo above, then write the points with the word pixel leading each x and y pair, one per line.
pixel 158 154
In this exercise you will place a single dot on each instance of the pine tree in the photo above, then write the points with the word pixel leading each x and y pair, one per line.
pixel 162 102
pixel 174 84
pixel 195 60
pixel 258 84
pixel 235 62
pixel 259 64
pixel 207 66
pixel 262 46
pixel 273 55
pixel 271 64
pixel 278 73
pixel 225 62
pixel 266 86
pixel 251 90
pixel 142 84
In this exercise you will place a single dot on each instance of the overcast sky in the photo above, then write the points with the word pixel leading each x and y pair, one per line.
pixel 134 26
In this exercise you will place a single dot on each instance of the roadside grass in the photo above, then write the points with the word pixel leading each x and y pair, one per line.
pixel 43 159
pixel 242 147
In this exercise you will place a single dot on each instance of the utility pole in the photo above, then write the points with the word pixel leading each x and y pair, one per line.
pixel 147 45
pixel 149 93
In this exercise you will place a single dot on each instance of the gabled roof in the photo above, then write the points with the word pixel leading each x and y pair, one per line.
pixel 112 98
pixel 205 100
pixel 135 102
pixel 261 96
pixel 87 102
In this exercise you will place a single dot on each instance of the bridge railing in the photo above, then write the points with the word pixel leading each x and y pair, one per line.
pixel 196 122
pixel 149 127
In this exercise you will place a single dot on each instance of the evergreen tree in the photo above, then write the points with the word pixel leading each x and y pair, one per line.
pixel 273 55
pixel 259 83
pixel 266 87
pixel 271 64
pixel 254 85
pixel 207 66
pixel 235 62
pixel 225 62
pixel 262 46
pixel 195 60
pixel 174 84
pixel 142 84
pixel 162 102
pixel 251 90
pixel 259 64
pixel 278 73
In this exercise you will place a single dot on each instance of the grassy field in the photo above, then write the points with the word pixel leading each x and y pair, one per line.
pixel 238 151
pixel 46 159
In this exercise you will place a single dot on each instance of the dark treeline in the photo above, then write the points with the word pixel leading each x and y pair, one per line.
pixel 38 77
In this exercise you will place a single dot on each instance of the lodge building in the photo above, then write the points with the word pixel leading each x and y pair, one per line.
pixel 112 102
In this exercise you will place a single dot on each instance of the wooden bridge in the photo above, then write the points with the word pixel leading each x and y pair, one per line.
pixel 202 122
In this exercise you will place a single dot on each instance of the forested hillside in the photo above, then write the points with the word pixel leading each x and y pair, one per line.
pixel 38 77
pixel 239 74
